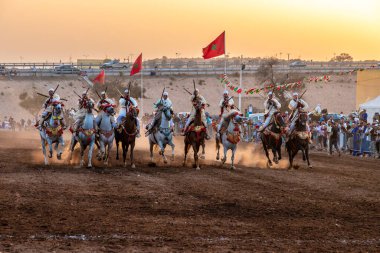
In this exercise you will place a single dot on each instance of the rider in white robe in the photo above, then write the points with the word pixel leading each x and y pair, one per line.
pixel 125 102
pixel 271 106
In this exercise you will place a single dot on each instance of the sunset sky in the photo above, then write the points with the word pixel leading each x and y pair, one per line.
pixel 53 30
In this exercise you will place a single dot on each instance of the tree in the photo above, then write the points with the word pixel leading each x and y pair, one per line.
pixel 342 57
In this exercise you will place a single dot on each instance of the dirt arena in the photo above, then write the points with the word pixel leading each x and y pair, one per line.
pixel 333 207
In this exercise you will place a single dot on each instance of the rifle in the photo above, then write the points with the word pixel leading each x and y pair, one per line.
pixel 77 94
pixel 194 84
pixel 105 91
pixel 302 94
pixel 118 91
pixel 98 94
pixel 46 96
pixel 162 95
pixel 187 91
pixel 55 89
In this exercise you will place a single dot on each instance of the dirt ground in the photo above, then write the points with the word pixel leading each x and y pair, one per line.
pixel 333 207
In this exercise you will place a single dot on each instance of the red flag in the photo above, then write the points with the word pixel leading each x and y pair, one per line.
pixel 100 78
pixel 137 66
pixel 215 48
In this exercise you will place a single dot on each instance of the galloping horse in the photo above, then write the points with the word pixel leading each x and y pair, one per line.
pixel 162 136
pixel 106 133
pixel 86 136
pixel 230 137
pixel 195 135
pixel 272 138
pixel 299 140
pixel 127 136
pixel 51 132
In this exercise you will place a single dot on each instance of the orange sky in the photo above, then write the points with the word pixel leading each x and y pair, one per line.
pixel 39 30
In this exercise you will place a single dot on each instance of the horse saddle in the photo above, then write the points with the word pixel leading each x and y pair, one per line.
pixel 54 131
pixel 277 136
pixel 302 134
pixel 196 129
pixel 234 137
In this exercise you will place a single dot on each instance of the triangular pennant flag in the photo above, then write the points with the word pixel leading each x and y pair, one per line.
pixel 100 78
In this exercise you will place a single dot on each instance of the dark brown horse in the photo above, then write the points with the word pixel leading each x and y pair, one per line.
pixel 298 140
pixel 196 135
pixel 126 134
pixel 272 138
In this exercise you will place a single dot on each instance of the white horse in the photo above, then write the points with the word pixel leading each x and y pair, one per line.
pixel 106 133
pixel 162 136
pixel 51 132
pixel 85 137
pixel 230 136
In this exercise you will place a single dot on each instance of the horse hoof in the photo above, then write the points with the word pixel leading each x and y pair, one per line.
pixel 172 158
pixel 59 156
pixel 276 162
pixel 203 157
pixel 133 166
pixel 223 160
pixel 233 168
pixel 183 164
pixel 198 168
pixel 217 158
pixel 310 166
pixel 117 158
pixel 50 156
pixel 165 161
pixel 89 166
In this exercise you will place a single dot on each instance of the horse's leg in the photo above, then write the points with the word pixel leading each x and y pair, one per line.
pixel 279 150
pixel 110 144
pixel 43 144
pixel 290 154
pixel 217 144
pixel 274 151
pixel 196 150
pixel 91 149
pixel 233 150
pixel 307 157
pixel 125 150
pixel 162 151
pixel 131 155
pixel 225 149
pixel 117 148
pixel 72 146
pixel 172 146
pixel 82 148
pixel 102 149
pixel 203 151
pixel 187 146
pixel 269 162
pixel 50 147
pixel 61 144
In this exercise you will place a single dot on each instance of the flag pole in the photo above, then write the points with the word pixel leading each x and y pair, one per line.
pixel 225 59
pixel 142 93
pixel 241 79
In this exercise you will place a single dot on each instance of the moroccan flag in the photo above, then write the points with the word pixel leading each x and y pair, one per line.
pixel 137 66
pixel 215 48
pixel 100 78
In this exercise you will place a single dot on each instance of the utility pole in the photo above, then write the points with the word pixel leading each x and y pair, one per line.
pixel 241 79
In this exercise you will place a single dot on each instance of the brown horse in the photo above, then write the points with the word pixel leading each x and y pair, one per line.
pixel 126 134
pixel 196 135
pixel 299 140
pixel 272 138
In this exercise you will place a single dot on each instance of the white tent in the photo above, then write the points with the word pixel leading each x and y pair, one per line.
pixel 371 107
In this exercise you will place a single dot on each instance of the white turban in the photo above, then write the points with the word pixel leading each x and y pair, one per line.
pixel 165 93
pixel 84 93
pixel 126 91
pixel 295 94
pixel 270 93
pixel 51 89
pixel 225 92
pixel 103 93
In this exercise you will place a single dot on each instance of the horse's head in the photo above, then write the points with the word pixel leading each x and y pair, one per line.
pixel 237 118
pixel 110 110
pixel 279 120
pixel 89 106
pixel 57 108
pixel 133 111
pixel 303 118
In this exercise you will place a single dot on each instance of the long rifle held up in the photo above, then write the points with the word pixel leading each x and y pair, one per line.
pixel 194 84
pixel 56 88
pixel 187 91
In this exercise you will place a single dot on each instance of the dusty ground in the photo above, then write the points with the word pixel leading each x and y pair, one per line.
pixel 333 207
